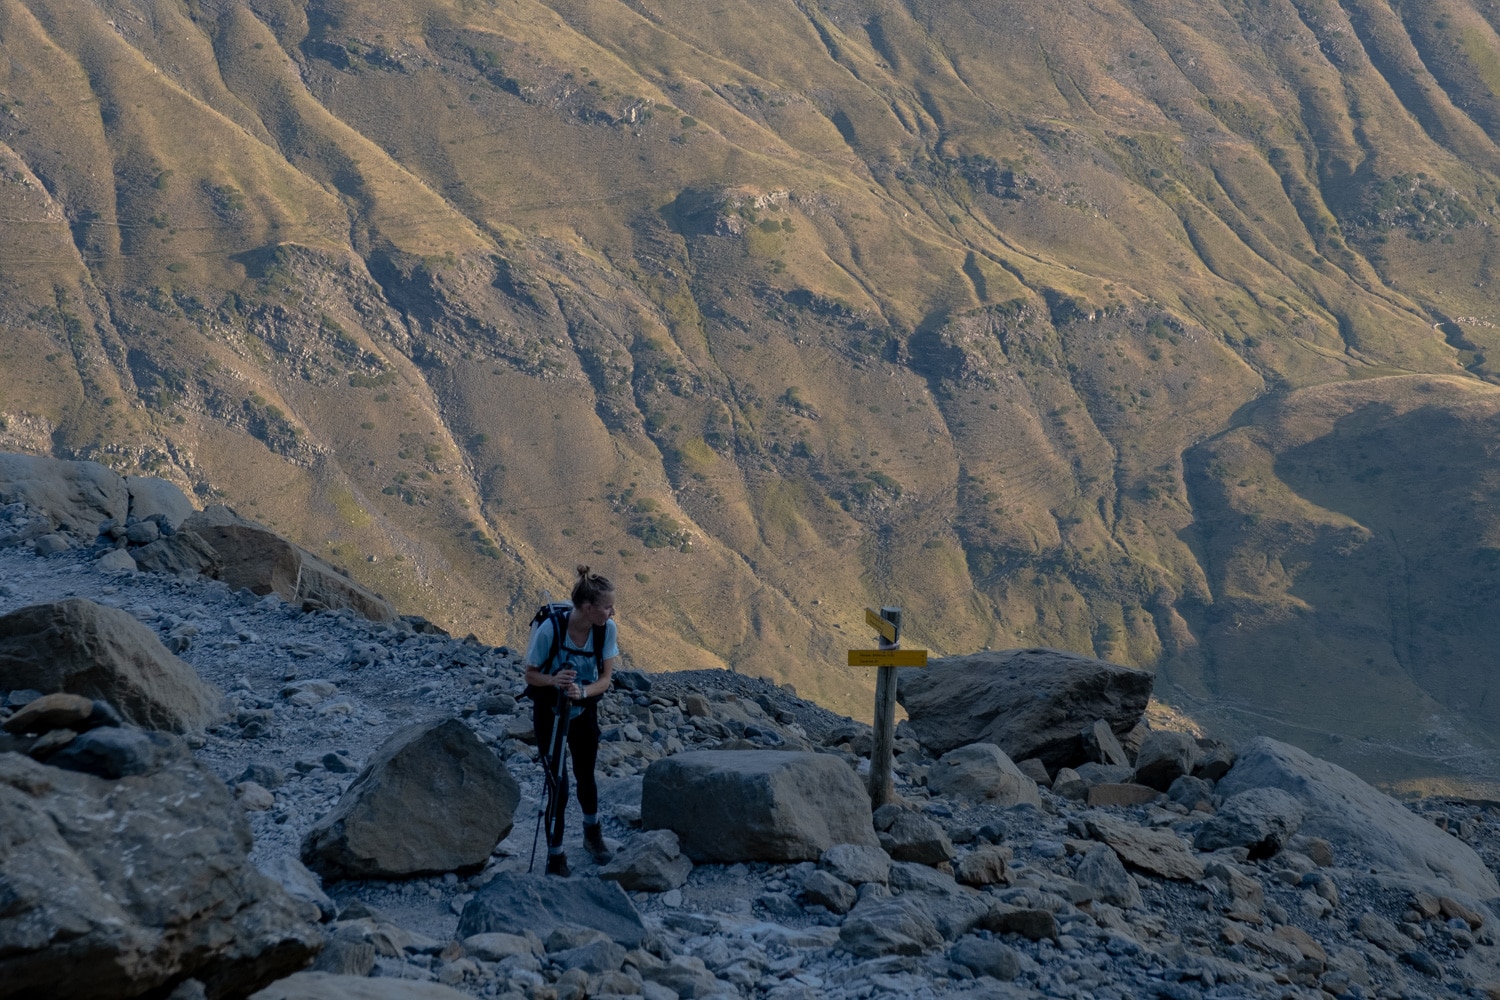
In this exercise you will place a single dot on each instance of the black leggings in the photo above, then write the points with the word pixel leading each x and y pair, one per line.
pixel 583 743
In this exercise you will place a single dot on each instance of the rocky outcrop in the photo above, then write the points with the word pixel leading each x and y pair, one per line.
pixel 1343 809
pixel 1029 702
pixel 116 888
pixel 87 649
pixel 74 496
pixel 756 805
pixel 434 799
pixel 253 557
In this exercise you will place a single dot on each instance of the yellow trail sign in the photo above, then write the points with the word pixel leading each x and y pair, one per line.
pixel 887 657
pixel 886 629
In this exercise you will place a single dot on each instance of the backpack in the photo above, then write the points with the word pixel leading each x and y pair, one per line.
pixel 558 613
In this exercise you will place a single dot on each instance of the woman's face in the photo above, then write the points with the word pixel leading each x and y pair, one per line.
pixel 601 611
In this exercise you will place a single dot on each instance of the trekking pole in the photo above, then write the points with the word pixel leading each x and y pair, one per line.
pixel 554 761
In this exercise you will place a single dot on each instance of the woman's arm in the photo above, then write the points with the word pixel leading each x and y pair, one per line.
pixel 606 673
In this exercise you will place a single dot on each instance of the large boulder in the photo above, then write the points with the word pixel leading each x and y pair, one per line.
pixel 757 805
pixel 151 497
pixel 981 772
pixel 114 888
pixel 433 799
pixel 1341 808
pixel 514 903
pixel 1029 702
pixel 252 557
pixel 87 649
pixel 75 496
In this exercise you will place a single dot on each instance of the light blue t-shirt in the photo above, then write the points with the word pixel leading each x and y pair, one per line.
pixel 580 659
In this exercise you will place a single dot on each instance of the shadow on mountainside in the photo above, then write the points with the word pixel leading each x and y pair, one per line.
pixel 1356 579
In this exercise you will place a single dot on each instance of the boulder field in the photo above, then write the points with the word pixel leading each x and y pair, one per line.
pixel 314 802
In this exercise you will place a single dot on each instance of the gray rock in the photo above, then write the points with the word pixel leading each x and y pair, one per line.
pixel 651 861
pixel 1105 876
pixel 686 976
pixel 1381 932
pixel 515 903
pixel 1214 759
pixel 253 557
pixel 1164 757
pixel 152 498
pixel 120 887
pixel 1261 820
pixel 984 865
pixel 986 958
pixel 598 956
pixel 1156 852
pixel 857 864
pixel 346 955
pixel 1029 702
pixel 84 648
pixel 835 895
pixel 494 946
pixel 889 926
pixel 756 805
pixel 953 909
pixel 433 799
pixel 51 545
pixel 1101 746
pixel 1103 774
pixel 1070 784
pixel 981 772
pixel 1190 792
pixel 75 496
pixel 183 554
pixel 143 533
pixel 914 837
pixel 53 711
pixel 299 883
pixel 113 752
pixel 116 561
pixel 1344 810
pixel 327 986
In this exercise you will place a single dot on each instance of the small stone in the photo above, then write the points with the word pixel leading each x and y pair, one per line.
pixel 338 763
pixel 253 797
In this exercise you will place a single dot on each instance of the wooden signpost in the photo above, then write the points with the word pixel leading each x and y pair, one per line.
pixel 887 623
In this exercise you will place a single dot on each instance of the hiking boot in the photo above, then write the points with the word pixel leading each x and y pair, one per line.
pixel 593 839
pixel 557 864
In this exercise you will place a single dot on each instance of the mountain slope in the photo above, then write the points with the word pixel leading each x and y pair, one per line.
pixel 772 312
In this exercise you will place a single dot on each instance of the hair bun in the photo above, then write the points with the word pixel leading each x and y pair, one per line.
pixel 583 571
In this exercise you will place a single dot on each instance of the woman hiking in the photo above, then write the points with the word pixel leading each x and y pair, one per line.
pixel 566 675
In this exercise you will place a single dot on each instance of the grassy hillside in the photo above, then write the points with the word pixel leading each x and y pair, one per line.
pixel 1072 326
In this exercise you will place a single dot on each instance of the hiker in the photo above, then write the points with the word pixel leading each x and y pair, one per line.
pixel 565 680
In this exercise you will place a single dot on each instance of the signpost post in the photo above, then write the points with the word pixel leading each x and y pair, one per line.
pixel 888 657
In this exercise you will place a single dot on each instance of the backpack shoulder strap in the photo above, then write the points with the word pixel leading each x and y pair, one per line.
pixel 559 620
pixel 600 632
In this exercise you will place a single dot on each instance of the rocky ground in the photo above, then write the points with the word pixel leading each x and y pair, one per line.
pixel 312 696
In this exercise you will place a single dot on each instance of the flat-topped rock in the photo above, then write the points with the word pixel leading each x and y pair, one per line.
pixel 1029 702
pixel 757 805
